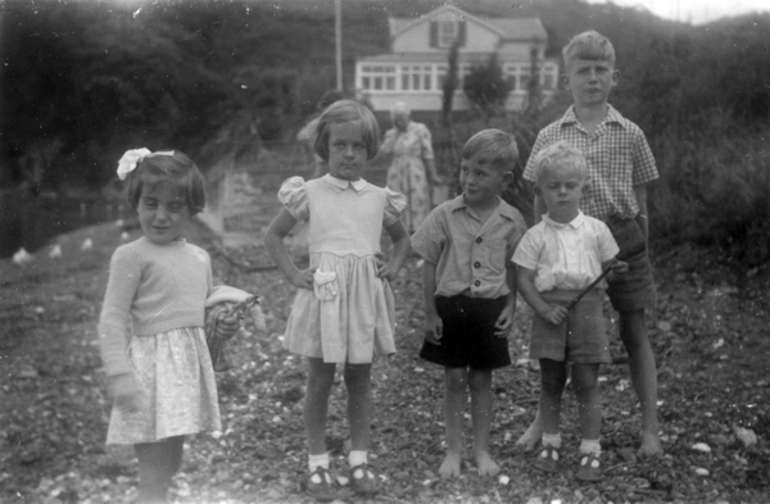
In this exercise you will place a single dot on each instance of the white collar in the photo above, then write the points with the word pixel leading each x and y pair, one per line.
pixel 358 185
pixel 574 223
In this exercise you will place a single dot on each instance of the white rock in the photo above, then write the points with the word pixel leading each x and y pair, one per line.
pixel 701 471
pixel 504 480
pixel 22 256
pixel 748 436
pixel 55 251
pixel 701 447
pixel 124 235
pixel 88 244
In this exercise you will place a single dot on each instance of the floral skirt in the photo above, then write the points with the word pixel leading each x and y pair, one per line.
pixel 178 392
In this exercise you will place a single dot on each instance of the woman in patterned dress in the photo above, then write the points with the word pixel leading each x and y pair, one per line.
pixel 412 171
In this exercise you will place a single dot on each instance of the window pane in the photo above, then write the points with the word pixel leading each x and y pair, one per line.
pixel 390 83
pixel 427 83
pixel 415 81
pixel 366 83
pixel 405 82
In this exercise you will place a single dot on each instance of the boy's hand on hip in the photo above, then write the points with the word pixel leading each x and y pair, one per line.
pixel 434 330
pixel 303 279
pixel 555 314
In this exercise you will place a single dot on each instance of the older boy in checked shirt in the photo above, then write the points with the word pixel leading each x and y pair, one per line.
pixel 469 287
pixel 620 165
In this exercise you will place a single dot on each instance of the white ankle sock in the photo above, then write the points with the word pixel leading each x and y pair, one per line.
pixel 590 446
pixel 552 440
pixel 315 461
pixel 358 457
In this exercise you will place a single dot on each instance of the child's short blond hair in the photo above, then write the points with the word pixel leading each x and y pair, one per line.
pixel 493 147
pixel 589 45
pixel 560 155
pixel 343 111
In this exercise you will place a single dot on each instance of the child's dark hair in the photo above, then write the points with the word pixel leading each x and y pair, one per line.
pixel 344 111
pixel 177 170
pixel 493 147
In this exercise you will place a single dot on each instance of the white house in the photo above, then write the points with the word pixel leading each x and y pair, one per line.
pixel 416 67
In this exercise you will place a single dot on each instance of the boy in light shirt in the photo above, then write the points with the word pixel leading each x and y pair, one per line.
pixel 556 259
pixel 620 166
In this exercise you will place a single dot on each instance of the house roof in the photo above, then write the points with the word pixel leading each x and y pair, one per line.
pixel 509 29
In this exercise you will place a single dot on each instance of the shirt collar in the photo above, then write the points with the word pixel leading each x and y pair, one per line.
pixel 358 185
pixel 613 116
pixel 574 223
pixel 505 210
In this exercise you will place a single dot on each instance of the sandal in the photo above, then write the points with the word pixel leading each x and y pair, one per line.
pixel 362 480
pixel 590 468
pixel 548 460
pixel 320 485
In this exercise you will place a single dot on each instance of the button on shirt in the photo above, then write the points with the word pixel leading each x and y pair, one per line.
pixel 471 256
pixel 566 256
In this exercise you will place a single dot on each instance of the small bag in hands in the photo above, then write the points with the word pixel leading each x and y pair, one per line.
pixel 227 302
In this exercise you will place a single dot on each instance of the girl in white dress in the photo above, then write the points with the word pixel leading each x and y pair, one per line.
pixel 344 308
pixel 151 326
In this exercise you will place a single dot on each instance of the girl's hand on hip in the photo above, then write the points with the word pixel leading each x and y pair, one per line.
pixel 303 279
pixel 384 270
pixel 125 392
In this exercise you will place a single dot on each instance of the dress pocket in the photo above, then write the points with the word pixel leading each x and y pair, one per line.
pixel 325 285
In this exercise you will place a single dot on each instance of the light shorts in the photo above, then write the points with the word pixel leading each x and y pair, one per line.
pixel 636 289
pixel 581 339
pixel 468 339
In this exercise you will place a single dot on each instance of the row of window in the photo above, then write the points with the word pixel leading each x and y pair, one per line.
pixel 431 77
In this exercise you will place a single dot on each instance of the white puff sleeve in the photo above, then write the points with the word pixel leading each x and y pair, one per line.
pixel 395 203
pixel 293 196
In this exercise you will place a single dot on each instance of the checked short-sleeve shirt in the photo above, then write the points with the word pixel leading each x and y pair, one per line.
pixel 618 155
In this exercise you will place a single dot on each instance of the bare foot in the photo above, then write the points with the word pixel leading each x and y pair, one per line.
pixel 485 464
pixel 528 441
pixel 651 446
pixel 450 467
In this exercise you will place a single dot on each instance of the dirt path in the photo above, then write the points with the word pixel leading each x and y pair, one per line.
pixel 709 338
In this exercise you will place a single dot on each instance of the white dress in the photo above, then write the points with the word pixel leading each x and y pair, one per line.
pixel 350 319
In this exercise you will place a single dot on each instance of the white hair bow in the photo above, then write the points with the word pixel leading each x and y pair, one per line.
pixel 133 157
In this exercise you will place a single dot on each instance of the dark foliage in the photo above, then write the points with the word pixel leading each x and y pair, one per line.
pixel 83 81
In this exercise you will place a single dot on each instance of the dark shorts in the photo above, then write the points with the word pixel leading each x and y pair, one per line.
pixel 581 339
pixel 469 334
pixel 636 289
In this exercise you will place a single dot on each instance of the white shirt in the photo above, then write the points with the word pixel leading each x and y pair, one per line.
pixel 566 256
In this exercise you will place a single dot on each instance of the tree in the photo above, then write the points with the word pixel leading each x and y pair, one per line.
pixel 487 88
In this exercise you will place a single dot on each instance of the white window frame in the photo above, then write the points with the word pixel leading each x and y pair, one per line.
pixel 417 77
pixel 376 77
